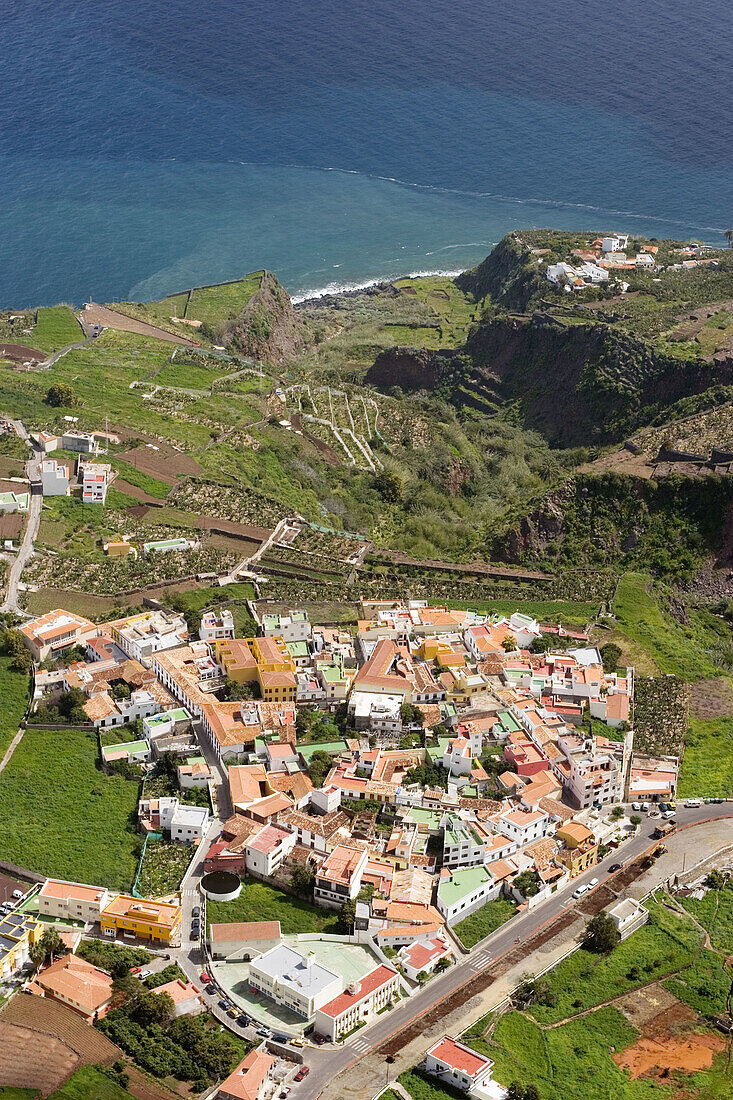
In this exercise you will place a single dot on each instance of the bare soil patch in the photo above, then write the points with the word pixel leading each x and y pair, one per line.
pixel 58 1022
pixel 11 524
pixel 33 1060
pixel 19 353
pixel 165 463
pixel 711 698
pixel 688 1051
pixel 231 527
pixel 133 491
pixel 620 462
pixel 95 314
pixel 642 1005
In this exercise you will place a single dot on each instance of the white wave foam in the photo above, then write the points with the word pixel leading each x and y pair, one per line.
pixel 343 288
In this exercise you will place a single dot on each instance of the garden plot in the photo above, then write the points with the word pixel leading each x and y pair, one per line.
pixel 162 867
pixel 661 714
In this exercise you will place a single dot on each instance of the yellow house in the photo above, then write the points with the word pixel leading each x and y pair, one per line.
pixel 18 933
pixel 271 654
pixel 158 921
pixel 235 657
pixel 466 685
pixel 580 848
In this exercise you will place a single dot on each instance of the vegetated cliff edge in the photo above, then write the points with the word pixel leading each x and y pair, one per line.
pixel 268 328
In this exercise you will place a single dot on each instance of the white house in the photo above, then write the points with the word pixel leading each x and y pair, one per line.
pixel 267 849
pixel 95 479
pixel 340 876
pixel 71 900
pixel 54 478
pixel 462 892
pixel 294 980
pixel 358 1003
pixel 455 1064
pixel 214 626
pixel 417 958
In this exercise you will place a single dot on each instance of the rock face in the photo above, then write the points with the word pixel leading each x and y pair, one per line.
pixel 409 368
pixel 268 328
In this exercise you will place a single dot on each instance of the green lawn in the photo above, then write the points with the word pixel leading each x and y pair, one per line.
pixel 60 815
pixel 14 692
pixel 89 1083
pixel 673 647
pixel 219 303
pixel 152 485
pixel 566 612
pixel 259 902
pixel 56 328
pixel 704 986
pixel 667 942
pixel 484 921
pixel 9 1093
pixel 425 1088
pixel 707 765
pixel 572 1062
pixel 715 913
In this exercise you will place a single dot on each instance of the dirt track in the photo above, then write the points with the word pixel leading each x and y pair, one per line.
pixel 94 314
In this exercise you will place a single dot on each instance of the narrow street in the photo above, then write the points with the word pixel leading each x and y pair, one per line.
pixel 32 523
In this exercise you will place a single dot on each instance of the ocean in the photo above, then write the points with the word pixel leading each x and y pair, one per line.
pixel 152 145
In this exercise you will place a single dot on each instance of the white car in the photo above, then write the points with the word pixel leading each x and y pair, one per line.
pixel 144 974
pixel 668 814
pixel 636 805
pixel 593 882
pixel 693 803
pixel 580 890
pixel 644 807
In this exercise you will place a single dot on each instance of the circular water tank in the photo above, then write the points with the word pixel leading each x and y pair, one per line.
pixel 221 886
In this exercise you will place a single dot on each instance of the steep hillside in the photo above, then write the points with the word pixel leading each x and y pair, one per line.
pixel 669 527
pixel 268 328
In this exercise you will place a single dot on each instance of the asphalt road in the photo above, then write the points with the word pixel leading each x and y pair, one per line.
pixel 33 520
pixel 327 1063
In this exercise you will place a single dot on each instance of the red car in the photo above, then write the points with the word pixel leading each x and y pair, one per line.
pixel 135 969
pixel 205 978
pixel 302 1072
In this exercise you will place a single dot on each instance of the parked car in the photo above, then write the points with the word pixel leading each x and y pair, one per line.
pixel 243 1021
pixel 615 867
pixel 302 1072
pixel 285 1092
pixel 297 1042
pixel 644 807
pixel 205 978
pixel 279 1038
pixel 691 803
pixel 264 1032
pixel 145 973
pixel 593 882
pixel 234 1013
pixel 319 1040
pixel 196 911
pixel 636 805
pixel 580 890
pixel 18 894
pixel 225 1004
pixel 669 813
pixel 211 989
pixel 136 970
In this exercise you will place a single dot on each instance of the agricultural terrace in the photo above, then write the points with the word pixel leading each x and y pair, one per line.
pixel 56 328
pixel 61 815
pixel 622 1024
pixel 260 902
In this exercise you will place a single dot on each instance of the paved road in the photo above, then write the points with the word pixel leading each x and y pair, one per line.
pixel 33 519
pixel 327 1063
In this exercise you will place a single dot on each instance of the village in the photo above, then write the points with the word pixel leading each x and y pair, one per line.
pixel 425 779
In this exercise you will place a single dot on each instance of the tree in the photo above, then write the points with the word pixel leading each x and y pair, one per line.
pixel 13 646
pixel 442 964
pixel 149 1008
pixel 635 820
pixel 610 654
pixel 522 1092
pixel 508 644
pixel 729 237
pixel 617 813
pixel 319 766
pixel 411 715
pixel 601 934
pixel 71 705
pixel 59 394
pixel 49 945
pixel 348 914
pixel 422 976
pixel 715 880
pixel 302 878
pixel 528 884
pixel 234 690
pixel 388 484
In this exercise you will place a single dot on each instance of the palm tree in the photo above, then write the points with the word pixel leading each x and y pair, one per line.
pixel 729 237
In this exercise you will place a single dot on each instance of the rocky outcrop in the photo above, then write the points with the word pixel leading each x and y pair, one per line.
pixel 268 327
pixel 409 368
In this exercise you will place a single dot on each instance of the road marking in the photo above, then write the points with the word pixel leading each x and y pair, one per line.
pixel 361 1046
pixel 481 961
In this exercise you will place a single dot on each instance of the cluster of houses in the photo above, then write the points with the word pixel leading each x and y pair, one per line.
pixel 606 256
pixel 501 725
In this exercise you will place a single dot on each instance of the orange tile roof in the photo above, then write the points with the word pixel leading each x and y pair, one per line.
pixel 459 1057
pixel 373 981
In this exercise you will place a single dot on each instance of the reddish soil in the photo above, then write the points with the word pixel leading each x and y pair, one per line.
pixel 19 353
pixel 11 524
pixel 57 1021
pixel 689 1051
pixel 231 527
pixel 132 491
pixel 166 463
pixel 110 318
pixel 139 511
pixel 620 462
pixel 328 452
pixel 32 1060
pixel 711 698
pixel 144 1088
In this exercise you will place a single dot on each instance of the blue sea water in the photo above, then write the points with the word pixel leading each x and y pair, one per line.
pixel 150 145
